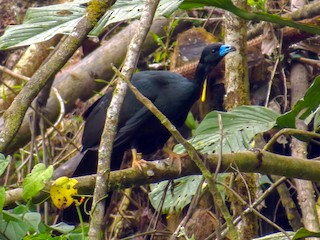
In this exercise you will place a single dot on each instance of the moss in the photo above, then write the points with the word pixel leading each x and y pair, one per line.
pixel 96 9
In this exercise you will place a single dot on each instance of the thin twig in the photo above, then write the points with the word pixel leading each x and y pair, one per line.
pixel 270 81
pixel 251 207
pixel 14 74
pixel 290 131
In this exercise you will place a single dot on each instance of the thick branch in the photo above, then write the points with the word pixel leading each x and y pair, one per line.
pixel 258 161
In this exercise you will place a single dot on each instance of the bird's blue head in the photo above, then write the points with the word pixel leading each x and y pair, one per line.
pixel 212 55
pixel 225 49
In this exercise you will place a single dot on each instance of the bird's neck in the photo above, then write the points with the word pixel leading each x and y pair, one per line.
pixel 200 75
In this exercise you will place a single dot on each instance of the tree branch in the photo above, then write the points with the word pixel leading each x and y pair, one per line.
pixel 258 161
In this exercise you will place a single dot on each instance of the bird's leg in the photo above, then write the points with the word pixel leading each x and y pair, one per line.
pixel 137 161
pixel 175 157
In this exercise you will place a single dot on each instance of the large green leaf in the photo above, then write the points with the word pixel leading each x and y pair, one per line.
pixel 239 128
pixel 36 180
pixel 12 226
pixel 183 190
pixel 43 23
pixel 305 108
pixel 128 9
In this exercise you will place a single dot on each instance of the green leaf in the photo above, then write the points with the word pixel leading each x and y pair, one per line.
pixel 191 122
pixel 316 119
pixel 44 236
pixel 43 23
pixel 239 128
pixel 4 161
pixel 20 209
pixel 11 226
pixel 183 190
pixel 17 223
pixel 77 234
pixel 33 219
pixel 305 107
pixel 127 9
pixel 2 198
pixel 180 193
pixel 304 233
pixel 276 236
pixel 257 4
pixel 224 4
pixel 35 181
pixel 62 227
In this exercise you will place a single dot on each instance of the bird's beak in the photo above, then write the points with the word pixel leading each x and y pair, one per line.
pixel 225 49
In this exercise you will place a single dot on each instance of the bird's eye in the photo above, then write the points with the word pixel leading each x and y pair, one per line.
pixel 213 50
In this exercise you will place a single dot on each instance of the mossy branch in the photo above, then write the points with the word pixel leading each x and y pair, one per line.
pixel 258 161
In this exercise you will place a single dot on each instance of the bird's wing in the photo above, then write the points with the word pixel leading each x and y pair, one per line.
pixel 131 126
pixel 102 103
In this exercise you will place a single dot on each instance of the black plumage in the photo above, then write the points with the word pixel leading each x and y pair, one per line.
pixel 138 128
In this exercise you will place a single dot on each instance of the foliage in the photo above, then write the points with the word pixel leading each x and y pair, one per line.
pixel 239 128
pixel 2 198
pixel 161 54
pixel 257 4
pixel 183 234
pixel 276 236
pixel 41 24
pixel 4 161
pixel 183 190
pixel 16 224
pixel 36 180
pixel 306 108
pixel 23 223
pixel 303 233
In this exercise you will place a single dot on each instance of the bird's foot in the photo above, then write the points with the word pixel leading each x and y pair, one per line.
pixel 137 161
pixel 177 158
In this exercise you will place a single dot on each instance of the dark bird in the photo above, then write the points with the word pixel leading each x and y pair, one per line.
pixel 138 128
